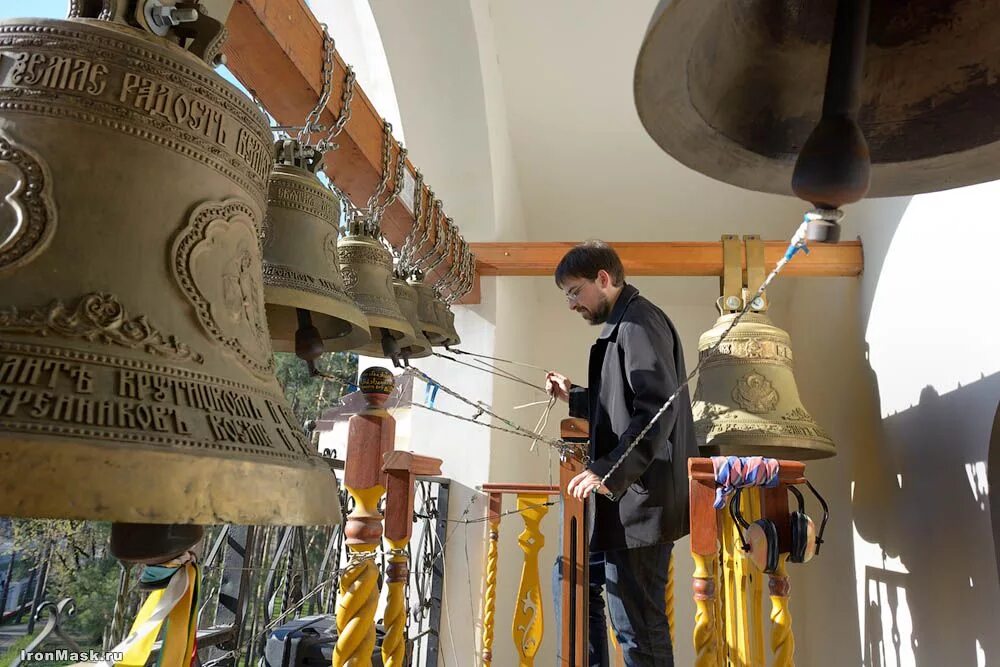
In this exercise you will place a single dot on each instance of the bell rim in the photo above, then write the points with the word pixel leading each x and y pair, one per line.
pixel 667 113
pixel 752 443
pixel 307 489
pixel 284 297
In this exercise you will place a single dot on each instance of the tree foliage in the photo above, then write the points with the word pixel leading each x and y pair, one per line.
pixel 308 395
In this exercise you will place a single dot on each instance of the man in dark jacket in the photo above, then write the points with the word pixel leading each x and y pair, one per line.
pixel 642 505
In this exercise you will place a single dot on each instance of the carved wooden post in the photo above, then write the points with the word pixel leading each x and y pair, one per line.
pixel 705 552
pixel 490 593
pixel 575 589
pixel 400 468
pixel 528 626
pixel 774 506
pixel 371 434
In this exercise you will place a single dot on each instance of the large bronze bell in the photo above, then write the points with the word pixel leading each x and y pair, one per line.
pixel 136 371
pixel 746 402
pixel 733 88
pixel 301 269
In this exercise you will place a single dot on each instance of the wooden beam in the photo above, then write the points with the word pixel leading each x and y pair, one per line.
pixel 275 49
pixel 667 258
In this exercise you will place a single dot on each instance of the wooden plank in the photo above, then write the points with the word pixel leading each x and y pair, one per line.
pixel 275 49
pixel 548 489
pixel 789 472
pixel 667 258
pixel 415 464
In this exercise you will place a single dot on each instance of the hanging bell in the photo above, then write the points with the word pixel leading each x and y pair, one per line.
pixel 366 267
pixel 406 296
pixel 428 317
pixel 138 385
pixel 733 89
pixel 301 270
pixel 746 402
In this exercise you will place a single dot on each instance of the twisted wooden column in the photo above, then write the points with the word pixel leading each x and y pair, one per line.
pixel 528 626
pixel 490 588
pixel 774 505
pixel 401 468
pixel 370 435
pixel 670 599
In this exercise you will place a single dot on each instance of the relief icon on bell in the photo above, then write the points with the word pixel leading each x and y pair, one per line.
pixel 136 367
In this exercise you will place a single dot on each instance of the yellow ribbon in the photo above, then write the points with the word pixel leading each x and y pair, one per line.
pixel 174 606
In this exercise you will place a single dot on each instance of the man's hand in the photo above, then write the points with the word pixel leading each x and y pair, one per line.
pixel 583 484
pixel 558 385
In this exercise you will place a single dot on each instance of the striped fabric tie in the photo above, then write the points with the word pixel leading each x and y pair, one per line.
pixel 733 472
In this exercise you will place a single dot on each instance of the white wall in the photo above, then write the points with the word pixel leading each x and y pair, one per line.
pixel 908 575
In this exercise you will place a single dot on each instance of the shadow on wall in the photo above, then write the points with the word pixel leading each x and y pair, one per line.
pixel 920 499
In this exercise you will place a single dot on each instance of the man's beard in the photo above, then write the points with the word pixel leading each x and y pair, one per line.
pixel 600 314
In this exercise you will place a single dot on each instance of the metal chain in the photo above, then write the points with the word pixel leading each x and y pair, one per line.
pixel 312 120
pixel 418 205
pixel 327 144
pixel 415 259
pixel 433 222
pixel 397 187
pixel 798 242
pixel 384 182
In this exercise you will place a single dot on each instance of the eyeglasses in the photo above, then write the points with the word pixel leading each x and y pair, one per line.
pixel 573 294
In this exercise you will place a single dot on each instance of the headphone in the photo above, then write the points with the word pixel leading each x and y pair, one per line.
pixel 761 540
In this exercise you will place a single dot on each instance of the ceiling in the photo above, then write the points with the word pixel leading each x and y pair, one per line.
pixel 522 113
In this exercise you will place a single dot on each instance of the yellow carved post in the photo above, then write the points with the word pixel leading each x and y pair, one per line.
pixel 527 627
pixel 400 468
pixel 782 639
pixel 490 592
pixel 706 624
pixel 370 435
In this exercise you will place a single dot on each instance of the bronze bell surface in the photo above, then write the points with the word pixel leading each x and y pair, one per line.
pixel 136 370
pixel 746 402
pixel 301 269
pixel 366 267
pixel 428 317
pixel 407 298
pixel 733 89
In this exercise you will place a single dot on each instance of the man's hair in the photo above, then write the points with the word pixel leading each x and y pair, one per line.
pixel 586 259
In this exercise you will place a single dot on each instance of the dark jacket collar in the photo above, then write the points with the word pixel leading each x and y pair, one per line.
pixel 618 311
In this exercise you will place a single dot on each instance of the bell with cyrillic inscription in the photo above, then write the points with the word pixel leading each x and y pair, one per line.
pixel 308 310
pixel 747 402
pixel 136 370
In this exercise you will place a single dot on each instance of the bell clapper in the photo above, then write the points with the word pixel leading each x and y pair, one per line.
pixel 308 342
pixel 834 166
pixel 153 543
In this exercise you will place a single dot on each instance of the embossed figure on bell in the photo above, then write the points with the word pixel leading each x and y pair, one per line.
pixel 301 270
pixel 136 367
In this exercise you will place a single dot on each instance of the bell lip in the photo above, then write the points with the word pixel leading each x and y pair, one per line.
pixel 751 443
pixel 395 325
pixel 660 90
pixel 68 478
pixel 347 311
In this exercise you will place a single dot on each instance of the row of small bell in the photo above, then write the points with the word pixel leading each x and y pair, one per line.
pixel 344 290
pixel 136 369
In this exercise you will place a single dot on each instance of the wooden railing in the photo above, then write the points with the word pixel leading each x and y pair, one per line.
pixel 728 590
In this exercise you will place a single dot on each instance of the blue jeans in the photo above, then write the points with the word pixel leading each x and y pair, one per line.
pixel 636 582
